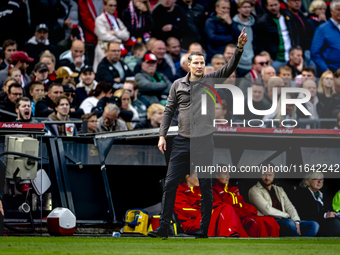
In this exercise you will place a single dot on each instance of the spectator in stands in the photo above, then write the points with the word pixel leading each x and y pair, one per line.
pixel 334 106
pixel 171 21
pixel 326 88
pixel 314 106
pixel 276 34
pixel 150 43
pixel 266 73
pixel 89 10
pixel 272 200
pixel 16 74
pixel 4 91
pixel 220 29
pixel 138 50
pixel 36 89
pixel 61 113
pixel 274 82
pixel 13 22
pixel 86 84
pixel 154 118
pixel 258 63
pixel 195 18
pixel 138 20
pixel 285 72
pixel 75 111
pixel 195 47
pixel 173 55
pixel 109 28
pixel 153 86
pixel 137 101
pixel 111 68
pixel 224 221
pixel 45 106
pixel 255 226
pixel 74 58
pixel 229 51
pixel 49 59
pixel 245 19
pixel 65 75
pixel 91 120
pixel 208 70
pixel 184 69
pixel 20 60
pixel 317 14
pixel 8 103
pixel 312 204
pixel 70 18
pixel 23 110
pixel 295 59
pixel 258 101
pixel 301 26
pixel 39 43
pixel 217 61
pixel 308 73
pixel 109 121
pixel 256 9
pixel 337 81
pixel 66 44
pixel 9 48
pixel 326 41
pixel 103 89
pixel 40 72
pixel 223 111
pixel 125 98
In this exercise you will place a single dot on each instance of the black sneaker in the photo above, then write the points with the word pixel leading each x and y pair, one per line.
pixel 201 234
pixel 161 231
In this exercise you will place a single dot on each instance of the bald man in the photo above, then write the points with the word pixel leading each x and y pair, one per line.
pixel 314 106
pixel 159 50
pixel 75 57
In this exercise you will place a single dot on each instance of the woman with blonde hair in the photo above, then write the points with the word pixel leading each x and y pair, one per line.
pixel 317 13
pixel 125 98
pixel 311 204
pixel 326 87
pixel 108 28
pixel 16 74
pixel 49 59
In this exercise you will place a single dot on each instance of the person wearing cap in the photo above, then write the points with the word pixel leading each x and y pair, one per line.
pixel 75 111
pixel 111 68
pixel 153 86
pixel 86 84
pixel 40 73
pixel 64 75
pixel 38 43
pixel 45 106
pixel 75 57
pixel 20 60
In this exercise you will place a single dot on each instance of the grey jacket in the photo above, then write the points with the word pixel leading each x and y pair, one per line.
pixel 119 125
pixel 191 123
pixel 152 90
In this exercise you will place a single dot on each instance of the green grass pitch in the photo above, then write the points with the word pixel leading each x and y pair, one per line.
pixel 177 246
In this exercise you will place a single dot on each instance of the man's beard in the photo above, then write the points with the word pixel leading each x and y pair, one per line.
pixel 265 184
pixel 23 118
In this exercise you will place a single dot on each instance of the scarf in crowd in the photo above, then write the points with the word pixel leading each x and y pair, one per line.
pixel 112 20
pixel 253 75
pixel 134 17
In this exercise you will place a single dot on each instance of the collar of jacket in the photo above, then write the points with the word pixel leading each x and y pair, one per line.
pixel 185 79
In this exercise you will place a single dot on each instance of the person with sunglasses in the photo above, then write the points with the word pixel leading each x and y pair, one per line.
pixel 109 121
pixel 258 63
pixel 312 204
pixel 70 93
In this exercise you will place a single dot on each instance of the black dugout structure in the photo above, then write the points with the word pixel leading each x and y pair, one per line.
pixel 99 177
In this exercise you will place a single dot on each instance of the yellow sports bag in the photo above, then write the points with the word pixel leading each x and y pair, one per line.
pixel 136 221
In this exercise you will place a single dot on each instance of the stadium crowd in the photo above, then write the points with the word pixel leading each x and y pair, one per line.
pixel 94 54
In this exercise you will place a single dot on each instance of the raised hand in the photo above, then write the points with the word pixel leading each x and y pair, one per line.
pixel 243 38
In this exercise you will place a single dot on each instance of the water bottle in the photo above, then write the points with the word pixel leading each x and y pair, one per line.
pixel 115 234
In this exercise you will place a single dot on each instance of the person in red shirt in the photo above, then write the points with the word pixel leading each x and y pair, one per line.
pixel 224 221
pixel 255 226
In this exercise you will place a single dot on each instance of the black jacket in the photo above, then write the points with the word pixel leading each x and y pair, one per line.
pixel 320 108
pixel 41 107
pixel 143 124
pixel 106 71
pixel 7 105
pixel 333 108
pixel 268 33
pixel 147 23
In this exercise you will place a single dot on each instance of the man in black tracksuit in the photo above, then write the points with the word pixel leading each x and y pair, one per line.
pixel 195 135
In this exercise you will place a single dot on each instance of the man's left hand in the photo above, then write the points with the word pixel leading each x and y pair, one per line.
pixel 242 39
